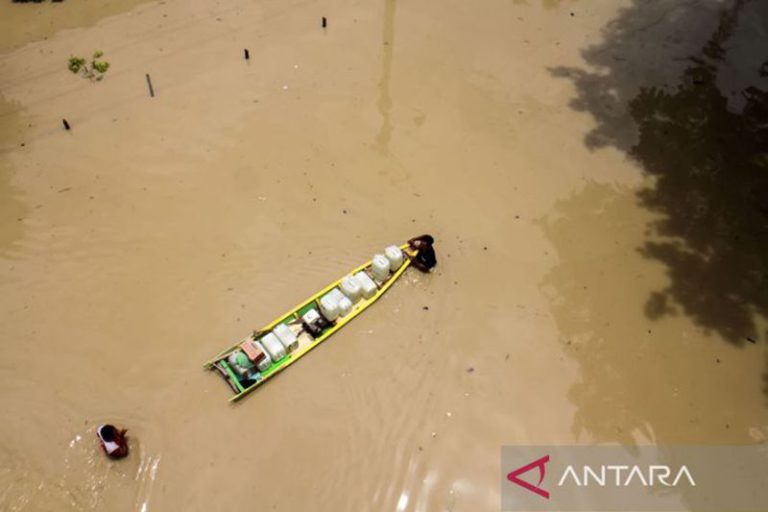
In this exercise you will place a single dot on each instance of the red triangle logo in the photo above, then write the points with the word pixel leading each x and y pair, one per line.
pixel 538 463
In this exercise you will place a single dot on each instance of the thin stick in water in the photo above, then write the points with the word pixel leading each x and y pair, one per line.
pixel 247 54
pixel 149 83
pixel 66 124
pixel 325 22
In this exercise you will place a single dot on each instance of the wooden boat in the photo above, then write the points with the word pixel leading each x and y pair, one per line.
pixel 306 340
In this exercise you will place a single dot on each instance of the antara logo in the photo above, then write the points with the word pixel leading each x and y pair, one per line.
pixel 609 475
pixel 538 463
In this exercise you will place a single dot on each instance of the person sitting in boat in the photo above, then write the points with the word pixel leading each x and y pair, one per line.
pixel 425 258
pixel 113 441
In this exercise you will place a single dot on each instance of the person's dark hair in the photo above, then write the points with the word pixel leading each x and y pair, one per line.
pixel 427 239
pixel 108 433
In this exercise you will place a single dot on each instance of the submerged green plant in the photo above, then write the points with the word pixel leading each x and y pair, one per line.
pixel 93 71
pixel 75 63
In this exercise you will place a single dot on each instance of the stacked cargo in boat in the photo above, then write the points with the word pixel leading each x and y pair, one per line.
pixel 265 352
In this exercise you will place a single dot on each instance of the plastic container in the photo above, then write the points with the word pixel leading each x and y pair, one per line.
pixel 238 358
pixel 240 364
pixel 380 267
pixel 367 286
pixel 310 317
pixel 336 294
pixel 351 288
pixel 329 305
pixel 313 323
pixel 395 256
pixel 345 306
pixel 286 337
pixel 274 348
pixel 266 361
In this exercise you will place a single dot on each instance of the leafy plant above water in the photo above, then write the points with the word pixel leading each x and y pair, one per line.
pixel 93 70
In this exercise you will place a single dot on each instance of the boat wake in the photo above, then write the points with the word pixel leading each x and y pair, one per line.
pixel 146 477
pixel 83 479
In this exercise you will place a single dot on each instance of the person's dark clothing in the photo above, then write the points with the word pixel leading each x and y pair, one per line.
pixel 425 258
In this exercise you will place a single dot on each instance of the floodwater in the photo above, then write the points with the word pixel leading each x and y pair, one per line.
pixel 593 172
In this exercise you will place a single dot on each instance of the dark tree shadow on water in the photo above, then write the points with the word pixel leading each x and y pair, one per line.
pixel 704 143
pixel 765 378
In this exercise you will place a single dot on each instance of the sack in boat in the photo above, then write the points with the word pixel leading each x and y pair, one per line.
pixel 254 353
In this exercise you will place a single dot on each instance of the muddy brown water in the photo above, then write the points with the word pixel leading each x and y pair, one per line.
pixel 520 134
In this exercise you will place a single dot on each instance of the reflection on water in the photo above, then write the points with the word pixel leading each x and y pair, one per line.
pixel 385 98
pixel 12 210
pixel 25 22
pixel 547 4
pixel 705 149
pixel 706 217
pixel 692 259
pixel 765 379
pixel 711 190
pixel 589 291
pixel 663 382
